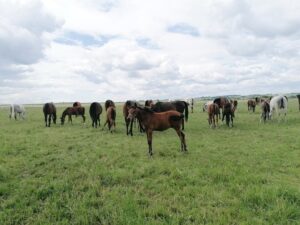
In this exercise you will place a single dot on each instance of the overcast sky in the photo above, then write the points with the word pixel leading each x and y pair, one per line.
pixel 139 49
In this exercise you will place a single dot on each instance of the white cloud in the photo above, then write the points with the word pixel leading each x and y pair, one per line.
pixel 146 49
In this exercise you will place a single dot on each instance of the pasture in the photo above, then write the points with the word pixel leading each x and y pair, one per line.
pixel 76 174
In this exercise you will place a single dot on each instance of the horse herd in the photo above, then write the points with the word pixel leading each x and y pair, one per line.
pixel 159 116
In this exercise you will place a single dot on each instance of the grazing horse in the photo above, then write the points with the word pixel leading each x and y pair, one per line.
pixel 15 110
pixel 69 111
pixel 109 103
pixel 265 111
pixel 129 122
pixel 213 114
pixel 179 106
pixel 251 105
pixel 228 112
pixel 221 101
pixel 111 118
pixel 153 121
pixel 279 105
pixel 49 110
pixel 95 111
pixel 298 96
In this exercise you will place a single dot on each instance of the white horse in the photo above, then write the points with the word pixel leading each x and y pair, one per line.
pixel 278 105
pixel 15 109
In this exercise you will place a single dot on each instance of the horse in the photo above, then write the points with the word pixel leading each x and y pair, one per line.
pixel 109 103
pixel 153 121
pixel 95 111
pixel 110 118
pixel 265 111
pixel 251 105
pixel 192 105
pixel 298 96
pixel 76 104
pixel 213 113
pixel 15 110
pixel 149 103
pixel 180 106
pixel 49 110
pixel 69 111
pixel 129 122
pixel 205 105
pixel 228 112
pixel 278 104
pixel 221 101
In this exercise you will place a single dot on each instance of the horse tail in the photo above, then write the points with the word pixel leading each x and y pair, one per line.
pixel 281 103
pixel 186 111
pixel 113 114
pixel 176 117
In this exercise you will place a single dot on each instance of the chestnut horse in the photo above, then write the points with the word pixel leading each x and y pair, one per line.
pixel 95 111
pixel 251 105
pixel 153 121
pixel 111 118
pixel 213 114
pixel 49 110
pixel 69 111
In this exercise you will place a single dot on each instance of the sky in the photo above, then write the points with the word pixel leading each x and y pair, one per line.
pixel 93 50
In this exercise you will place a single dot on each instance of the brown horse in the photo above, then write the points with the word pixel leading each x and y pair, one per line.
pixel 228 113
pixel 78 110
pixel 153 121
pixel 298 96
pixel 49 110
pixel 111 118
pixel 109 103
pixel 265 111
pixel 213 114
pixel 221 101
pixel 129 122
pixel 95 111
pixel 251 105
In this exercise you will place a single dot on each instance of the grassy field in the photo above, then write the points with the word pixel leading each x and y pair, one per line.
pixel 74 174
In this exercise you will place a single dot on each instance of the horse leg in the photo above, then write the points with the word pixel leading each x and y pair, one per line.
pixel 45 115
pixel 131 124
pixel 83 118
pixel 182 122
pixel 149 139
pixel 182 139
pixel 127 125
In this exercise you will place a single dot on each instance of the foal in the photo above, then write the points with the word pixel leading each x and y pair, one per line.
pixel 213 114
pixel 153 121
pixel 69 111
pixel 111 118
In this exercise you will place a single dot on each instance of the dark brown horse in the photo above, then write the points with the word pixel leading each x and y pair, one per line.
pixel 149 103
pixel 298 96
pixel 95 111
pixel 251 105
pixel 265 111
pixel 228 113
pixel 153 121
pixel 129 122
pixel 78 110
pixel 111 118
pixel 109 103
pixel 49 110
pixel 179 106
pixel 76 104
pixel 213 114
pixel 221 101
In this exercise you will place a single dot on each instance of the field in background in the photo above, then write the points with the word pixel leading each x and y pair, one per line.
pixel 74 174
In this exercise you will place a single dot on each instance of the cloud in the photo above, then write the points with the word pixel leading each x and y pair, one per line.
pixel 183 28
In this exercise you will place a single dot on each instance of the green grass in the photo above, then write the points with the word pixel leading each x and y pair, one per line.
pixel 248 174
